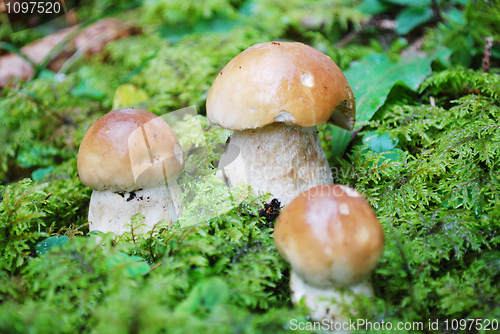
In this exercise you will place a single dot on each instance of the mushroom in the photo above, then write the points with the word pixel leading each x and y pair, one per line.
pixel 128 156
pixel 333 240
pixel 272 95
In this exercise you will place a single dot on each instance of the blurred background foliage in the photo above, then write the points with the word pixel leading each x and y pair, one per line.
pixel 430 168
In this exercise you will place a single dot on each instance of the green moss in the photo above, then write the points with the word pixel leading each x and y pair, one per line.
pixel 436 192
pixel 438 202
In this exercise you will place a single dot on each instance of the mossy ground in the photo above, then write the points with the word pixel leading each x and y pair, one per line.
pixel 435 191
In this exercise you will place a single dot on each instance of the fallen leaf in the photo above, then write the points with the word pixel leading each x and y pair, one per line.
pixel 94 38
pixel 91 40
pixel 14 66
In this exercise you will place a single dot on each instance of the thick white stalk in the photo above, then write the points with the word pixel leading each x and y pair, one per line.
pixel 326 303
pixel 111 212
pixel 280 159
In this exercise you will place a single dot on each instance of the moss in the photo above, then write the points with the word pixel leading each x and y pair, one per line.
pixel 438 202
pixel 436 192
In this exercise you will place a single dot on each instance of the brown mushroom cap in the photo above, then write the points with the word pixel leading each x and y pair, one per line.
pixel 330 235
pixel 280 82
pixel 115 147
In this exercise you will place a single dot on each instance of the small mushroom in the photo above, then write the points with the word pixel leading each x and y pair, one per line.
pixel 273 95
pixel 333 240
pixel 128 156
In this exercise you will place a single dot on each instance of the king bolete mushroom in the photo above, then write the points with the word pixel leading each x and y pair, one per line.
pixel 332 239
pixel 273 95
pixel 127 156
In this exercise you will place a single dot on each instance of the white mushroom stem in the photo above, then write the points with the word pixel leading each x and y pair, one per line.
pixel 326 303
pixel 111 211
pixel 280 159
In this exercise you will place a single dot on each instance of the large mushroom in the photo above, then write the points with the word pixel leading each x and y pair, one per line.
pixel 273 95
pixel 128 156
pixel 333 240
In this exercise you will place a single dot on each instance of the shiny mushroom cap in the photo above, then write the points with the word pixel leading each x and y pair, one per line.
pixel 128 150
pixel 330 235
pixel 280 82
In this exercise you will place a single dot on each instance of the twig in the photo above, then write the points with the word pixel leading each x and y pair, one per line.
pixel 414 47
pixel 82 262
pixel 432 101
pixel 155 266
pixel 437 10
pixel 350 36
pixel 382 24
pixel 46 198
pixel 487 53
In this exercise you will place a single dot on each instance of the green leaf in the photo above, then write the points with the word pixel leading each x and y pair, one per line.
pixel 216 24
pixel 462 2
pixel 84 89
pixel 174 33
pixel 127 95
pixel 412 3
pixel 372 7
pixel 43 246
pixel 133 265
pixel 206 293
pixel 40 173
pixel 412 17
pixel 138 269
pixel 249 8
pixel 443 55
pixel 372 78
pixel 455 15
pixel 379 142
pixel 192 303
pixel 46 74
pixel 214 292
pixel 395 155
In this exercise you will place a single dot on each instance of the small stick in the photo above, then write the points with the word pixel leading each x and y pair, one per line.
pixel 437 10
pixel 413 47
pixel 382 23
pixel 432 101
pixel 155 266
pixel 487 54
